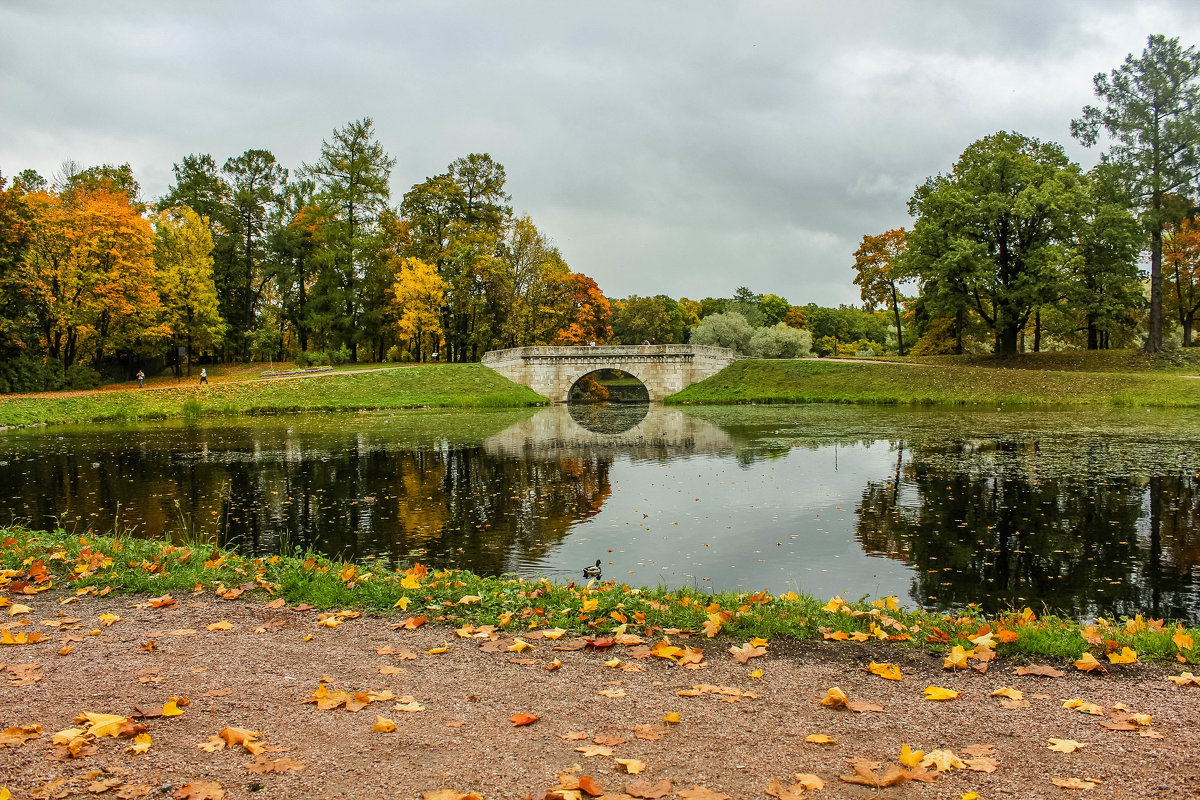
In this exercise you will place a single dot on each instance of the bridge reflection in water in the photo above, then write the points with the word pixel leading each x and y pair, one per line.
pixel 940 509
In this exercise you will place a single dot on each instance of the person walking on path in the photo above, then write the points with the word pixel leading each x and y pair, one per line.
pixel 203 376
pixel 141 376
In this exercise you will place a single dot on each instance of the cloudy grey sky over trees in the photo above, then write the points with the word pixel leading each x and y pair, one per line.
pixel 679 148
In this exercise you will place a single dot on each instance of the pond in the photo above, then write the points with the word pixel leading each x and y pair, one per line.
pixel 1078 511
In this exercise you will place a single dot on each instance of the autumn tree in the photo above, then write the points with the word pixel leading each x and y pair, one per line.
pixel 1152 117
pixel 589 320
pixel 92 273
pixel 183 248
pixel 1181 267
pixel 877 262
pixel 417 298
pixel 993 235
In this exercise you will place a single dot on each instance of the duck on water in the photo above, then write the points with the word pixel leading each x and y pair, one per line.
pixel 592 572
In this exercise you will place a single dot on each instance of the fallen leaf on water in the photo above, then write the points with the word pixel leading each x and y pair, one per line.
pixel 1076 783
pixel 940 693
pixel 383 725
pixel 261 764
pixel 1065 745
pixel 1040 670
pixel 523 719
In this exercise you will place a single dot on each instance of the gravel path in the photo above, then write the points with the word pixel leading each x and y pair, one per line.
pixel 456 734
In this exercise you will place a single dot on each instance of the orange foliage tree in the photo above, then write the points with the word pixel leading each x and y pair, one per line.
pixel 1181 269
pixel 590 316
pixel 92 270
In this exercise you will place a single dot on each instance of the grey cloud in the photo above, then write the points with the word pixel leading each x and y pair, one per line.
pixel 681 148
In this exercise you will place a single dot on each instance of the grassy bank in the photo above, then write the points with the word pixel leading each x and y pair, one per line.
pixel 952 384
pixel 46 561
pixel 440 386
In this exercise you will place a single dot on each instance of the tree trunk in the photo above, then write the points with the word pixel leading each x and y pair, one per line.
pixel 1093 342
pixel 1006 339
pixel 1037 331
pixel 896 311
pixel 1154 336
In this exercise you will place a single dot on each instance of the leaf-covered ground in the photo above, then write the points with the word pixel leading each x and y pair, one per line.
pixel 199 696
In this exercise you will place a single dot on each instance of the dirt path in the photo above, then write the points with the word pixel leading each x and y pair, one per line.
pixel 161 383
pixel 453 729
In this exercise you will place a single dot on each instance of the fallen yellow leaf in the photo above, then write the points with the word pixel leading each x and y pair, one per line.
pixel 1087 662
pixel 939 693
pixel 220 626
pixel 383 725
pixel 909 757
pixel 1126 656
pixel 1065 745
pixel 141 743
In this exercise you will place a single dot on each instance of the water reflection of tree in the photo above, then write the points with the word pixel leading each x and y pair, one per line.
pixel 451 506
pixel 1004 537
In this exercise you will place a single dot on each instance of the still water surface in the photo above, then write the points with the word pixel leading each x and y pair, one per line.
pixel 1082 512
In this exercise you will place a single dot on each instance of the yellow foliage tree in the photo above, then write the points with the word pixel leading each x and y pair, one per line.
pixel 183 257
pixel 417 297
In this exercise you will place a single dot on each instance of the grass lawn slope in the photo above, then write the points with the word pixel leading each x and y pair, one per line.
pixel 440 386
pixel 952 383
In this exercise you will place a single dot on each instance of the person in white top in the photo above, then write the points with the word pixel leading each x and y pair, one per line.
pixel 203 375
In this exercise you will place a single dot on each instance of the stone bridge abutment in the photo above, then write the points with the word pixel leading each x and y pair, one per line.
pixel 663 369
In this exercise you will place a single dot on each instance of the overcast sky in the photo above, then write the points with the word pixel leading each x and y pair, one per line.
pixel 679 148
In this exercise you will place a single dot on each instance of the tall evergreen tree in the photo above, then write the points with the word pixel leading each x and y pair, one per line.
pixel 1152 114
pixel 352 177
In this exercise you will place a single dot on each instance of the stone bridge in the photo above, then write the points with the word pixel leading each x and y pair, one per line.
pixel 663 369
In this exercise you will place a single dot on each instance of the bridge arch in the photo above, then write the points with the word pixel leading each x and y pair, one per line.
pixel 620 393
pixel 663 369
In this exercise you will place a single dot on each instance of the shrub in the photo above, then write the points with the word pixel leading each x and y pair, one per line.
pixel 780 341
pixel 340 356
pixel 80 376
pixel 724 330
pixel 393 354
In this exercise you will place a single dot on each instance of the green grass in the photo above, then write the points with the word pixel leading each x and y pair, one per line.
pixel 438 386
pixel 71 563
pixel 948 383
pixel 1181 361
